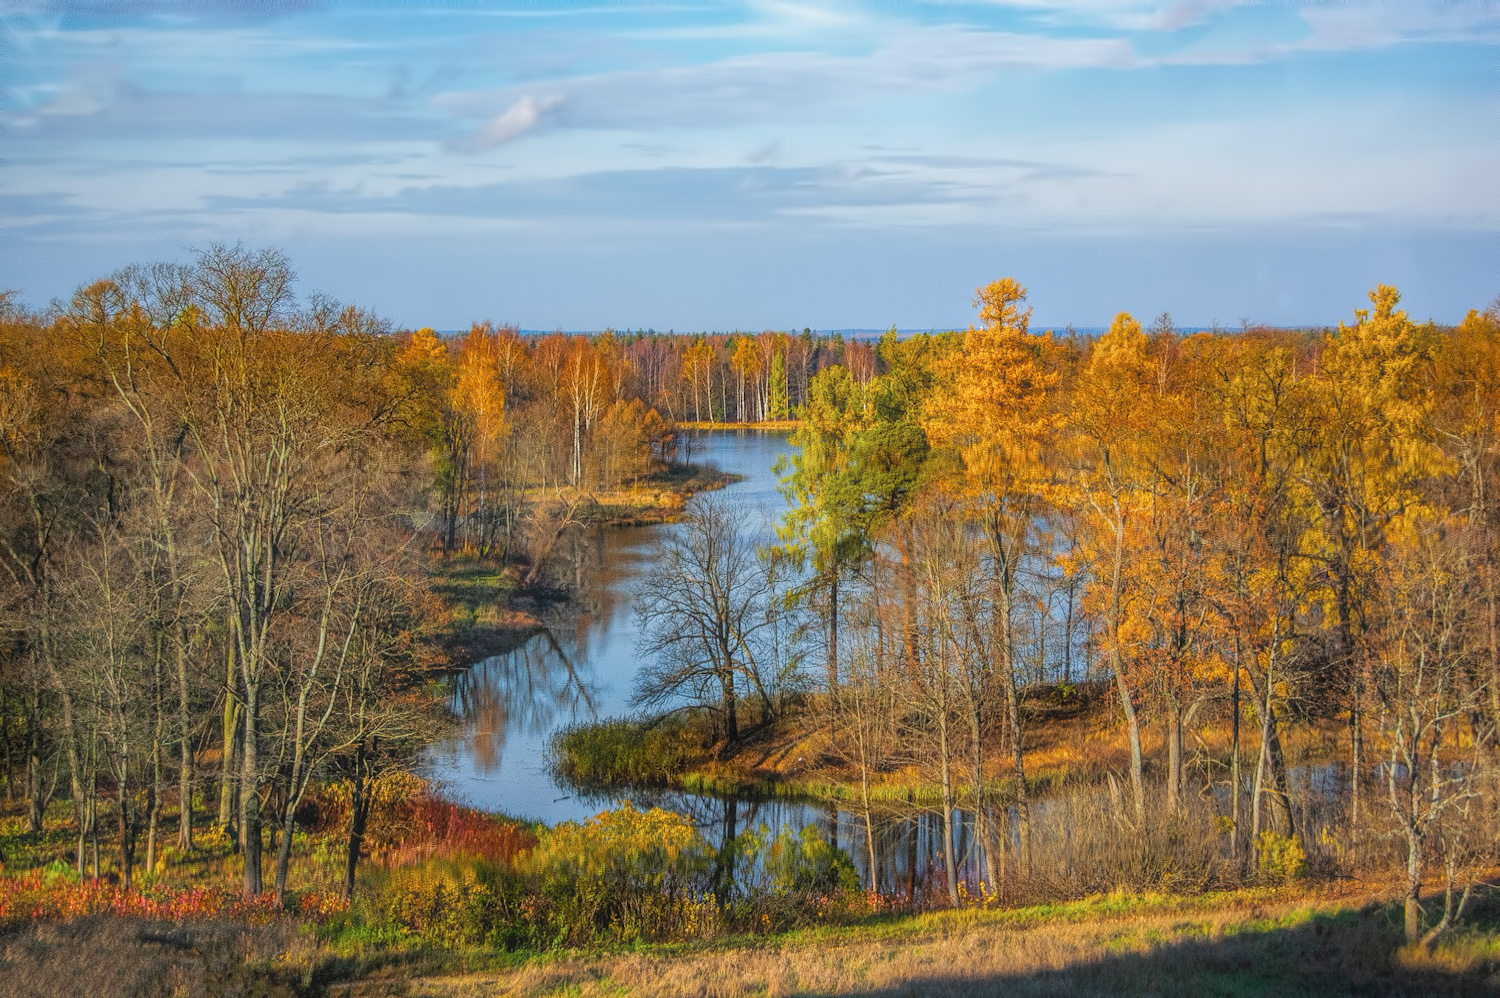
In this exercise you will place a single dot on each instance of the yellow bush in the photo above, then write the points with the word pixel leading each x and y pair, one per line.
pixel 1280 857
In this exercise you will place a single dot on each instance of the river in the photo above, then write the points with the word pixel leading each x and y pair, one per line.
pixel 584 667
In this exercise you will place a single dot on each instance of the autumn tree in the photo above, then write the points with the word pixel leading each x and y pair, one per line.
pixel 1363 469
pixel 705 614
pixel 991 405
pixel 1111 482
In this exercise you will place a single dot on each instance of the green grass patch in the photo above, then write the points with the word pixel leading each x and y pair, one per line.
pixel 621 752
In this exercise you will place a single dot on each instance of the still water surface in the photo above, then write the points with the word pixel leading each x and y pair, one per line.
pixel 584 667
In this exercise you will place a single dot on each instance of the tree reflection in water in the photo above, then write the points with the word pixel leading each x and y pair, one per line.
pixel 529 691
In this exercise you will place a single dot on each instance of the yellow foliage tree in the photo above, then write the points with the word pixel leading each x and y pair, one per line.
pixel 1111 485
pixel 991 404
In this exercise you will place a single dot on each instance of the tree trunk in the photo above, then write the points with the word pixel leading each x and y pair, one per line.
pixel 1174 754
pixel 230 731
pixel 127 827
pixel 153 807
pixel 90 813
pixel 250 844
pixel 1116 662
pixel 727 700
pixel 950 868
pixel 359 809
pixel 1006 650
pixel 36 807
pixel 185 750
pixel 284 848
pixel 833 639
pixel 1234 759
pixel 1413 906
pixel 1356 747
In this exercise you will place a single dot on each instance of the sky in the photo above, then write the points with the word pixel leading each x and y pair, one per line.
pixel 582 164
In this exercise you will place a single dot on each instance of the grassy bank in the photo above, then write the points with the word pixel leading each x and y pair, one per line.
pixel 475 617
pixel 1248 943
pixel 658 499
pixel 1239 943
pixel 1072 737
pixel 453 902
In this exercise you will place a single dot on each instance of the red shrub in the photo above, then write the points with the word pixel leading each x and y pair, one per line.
pixel 439 829
pixel 34 896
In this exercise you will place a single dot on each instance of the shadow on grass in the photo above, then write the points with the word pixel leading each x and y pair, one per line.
pixel 1353 952
pixel 1339 953
pixel 108 957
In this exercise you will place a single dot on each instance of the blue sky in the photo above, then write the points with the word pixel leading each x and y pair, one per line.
pixel 693 165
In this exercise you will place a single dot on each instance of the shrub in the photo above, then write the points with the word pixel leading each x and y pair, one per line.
pixel 436 829
pixel 623 875
pixel 50 896
pixel 1280 857
pixel 444 902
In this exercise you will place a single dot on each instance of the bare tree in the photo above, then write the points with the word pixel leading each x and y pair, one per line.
pixel 705 612
pixel 1421 683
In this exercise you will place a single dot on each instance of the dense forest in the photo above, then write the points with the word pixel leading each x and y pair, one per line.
pixel 220 509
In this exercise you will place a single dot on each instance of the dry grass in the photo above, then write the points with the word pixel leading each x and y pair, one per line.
pixel 1073 737
pixel 109 957
pixel 1240 948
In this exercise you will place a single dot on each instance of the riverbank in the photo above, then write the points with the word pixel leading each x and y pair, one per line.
pixel 475 618
pixel 783 425
pixel 1250 942
pixel 1072 737
pixel 454 903
pixel 1253 942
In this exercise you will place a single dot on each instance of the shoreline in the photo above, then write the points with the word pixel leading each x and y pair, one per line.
pixel 764 424
pixel 475 594
pixel 1067 750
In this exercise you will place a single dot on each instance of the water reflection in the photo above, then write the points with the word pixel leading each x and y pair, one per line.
pixel 584 665
pixel 530 691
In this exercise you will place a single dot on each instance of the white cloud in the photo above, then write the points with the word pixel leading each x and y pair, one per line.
pixel 514 122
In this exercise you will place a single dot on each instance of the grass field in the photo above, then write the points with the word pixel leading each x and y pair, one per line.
pixel 1240 943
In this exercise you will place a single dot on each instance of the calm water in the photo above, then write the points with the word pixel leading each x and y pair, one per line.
pixel 584 667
